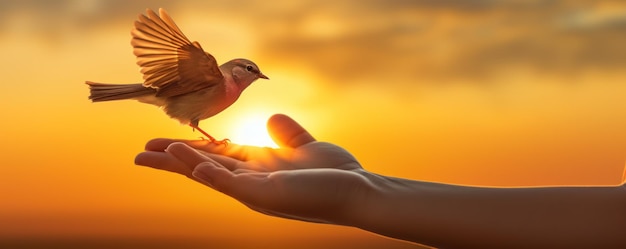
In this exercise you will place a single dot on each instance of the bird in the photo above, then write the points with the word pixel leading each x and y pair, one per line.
pixel 179 76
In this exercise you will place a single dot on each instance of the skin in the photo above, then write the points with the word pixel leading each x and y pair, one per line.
pixel 320 182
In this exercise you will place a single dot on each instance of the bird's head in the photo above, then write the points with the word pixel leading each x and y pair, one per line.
pixel 243 71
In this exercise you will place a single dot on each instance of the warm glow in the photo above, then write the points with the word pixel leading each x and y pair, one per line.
pixel 251 130
pixel 475 93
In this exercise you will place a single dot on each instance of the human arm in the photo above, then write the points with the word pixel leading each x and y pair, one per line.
pixel 453 216
pixel 321 182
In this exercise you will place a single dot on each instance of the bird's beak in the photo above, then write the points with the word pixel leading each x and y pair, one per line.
pixel 262 76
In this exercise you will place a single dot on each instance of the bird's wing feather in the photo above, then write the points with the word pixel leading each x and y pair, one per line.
pixel 168 60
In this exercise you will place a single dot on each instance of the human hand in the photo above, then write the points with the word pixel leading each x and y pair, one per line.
pixel 303 179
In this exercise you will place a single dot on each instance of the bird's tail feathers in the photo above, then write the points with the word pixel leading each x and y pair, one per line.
pixel 107 92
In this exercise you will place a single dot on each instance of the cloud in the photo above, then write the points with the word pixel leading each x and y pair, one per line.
pixel 51 21
pixel 449 40
pixel 376 40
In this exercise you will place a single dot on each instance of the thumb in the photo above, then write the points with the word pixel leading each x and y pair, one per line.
pixel 286 132
pixel 213 175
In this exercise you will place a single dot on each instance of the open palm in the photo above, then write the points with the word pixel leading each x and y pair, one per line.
pixel 303 179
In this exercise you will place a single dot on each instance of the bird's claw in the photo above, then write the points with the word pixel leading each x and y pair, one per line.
pixel 212 140
pixel 224 142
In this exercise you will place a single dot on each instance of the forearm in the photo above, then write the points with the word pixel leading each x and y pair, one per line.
pixel 444 215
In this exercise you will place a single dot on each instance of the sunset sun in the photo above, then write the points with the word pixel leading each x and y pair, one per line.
pixel 251 130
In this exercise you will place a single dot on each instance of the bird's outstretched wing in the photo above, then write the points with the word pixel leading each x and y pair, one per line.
pixel 168 60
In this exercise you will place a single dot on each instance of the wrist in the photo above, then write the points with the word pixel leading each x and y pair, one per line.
pixel 363 192
pixel 366 202
pixel 395 207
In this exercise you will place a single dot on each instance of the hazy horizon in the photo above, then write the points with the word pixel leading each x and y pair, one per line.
pixel 489 93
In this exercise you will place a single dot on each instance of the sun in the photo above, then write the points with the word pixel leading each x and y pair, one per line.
pixel 251 130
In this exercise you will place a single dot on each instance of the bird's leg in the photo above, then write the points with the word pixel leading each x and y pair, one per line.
pixel 211 138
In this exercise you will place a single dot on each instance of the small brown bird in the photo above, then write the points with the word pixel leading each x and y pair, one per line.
pixel 178 75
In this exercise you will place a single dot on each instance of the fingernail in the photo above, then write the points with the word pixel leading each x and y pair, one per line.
pixel 169 147
pixel 201 173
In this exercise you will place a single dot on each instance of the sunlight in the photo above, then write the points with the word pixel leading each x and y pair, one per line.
pixel 624 175
pixel 251 130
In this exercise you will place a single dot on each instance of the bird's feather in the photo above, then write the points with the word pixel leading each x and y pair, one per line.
pixel 169 61
pixel 107 92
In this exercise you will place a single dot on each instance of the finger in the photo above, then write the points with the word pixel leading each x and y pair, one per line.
pixel 239 152
pixel 160 144
pixel 213 175
pixel 191 157
pixel 236 151
pixel 162 161
pixel 246 188
pixel 288 133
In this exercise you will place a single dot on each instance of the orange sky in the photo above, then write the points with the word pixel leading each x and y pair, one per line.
pixel 467 93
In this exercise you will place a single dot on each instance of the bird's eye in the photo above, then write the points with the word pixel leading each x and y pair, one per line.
pixel 249 68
